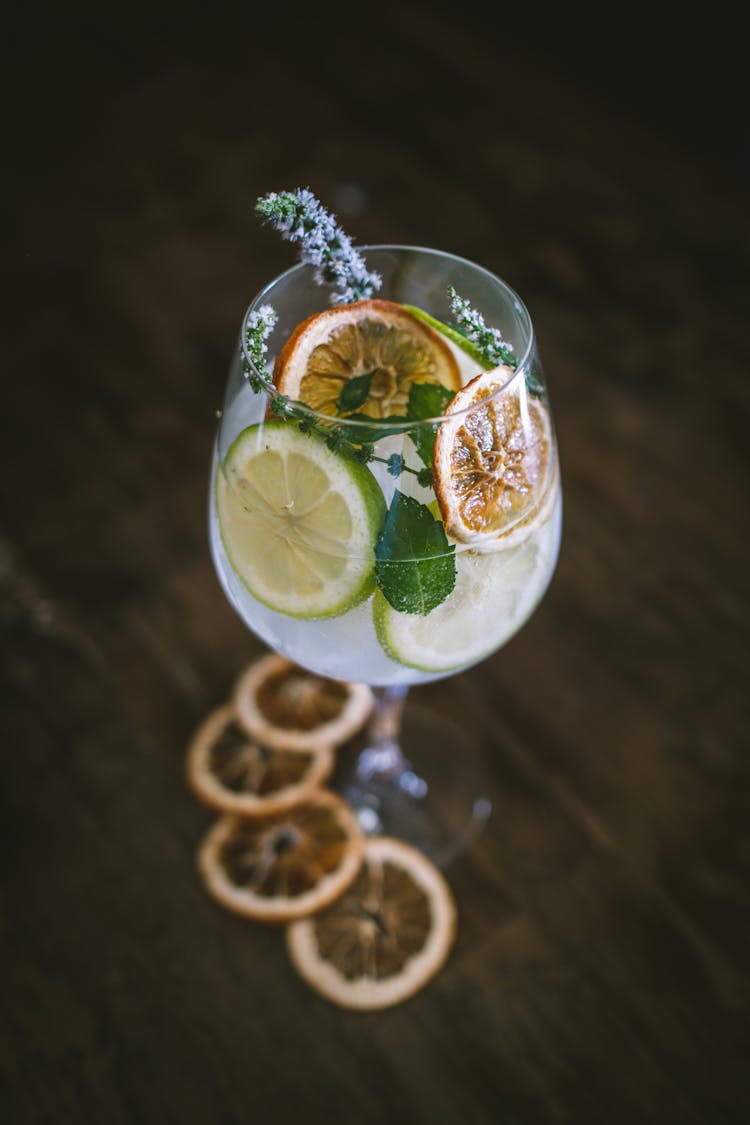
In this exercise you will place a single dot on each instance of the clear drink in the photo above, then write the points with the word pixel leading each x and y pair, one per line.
pixel 346 646
pixel 385 503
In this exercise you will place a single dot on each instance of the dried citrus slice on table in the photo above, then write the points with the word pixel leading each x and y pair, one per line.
pixel 281 867
pixel 494 466
pixel 232 772
pixel 379 343
pixel 288 706
pixel 385 937
pixel 298 521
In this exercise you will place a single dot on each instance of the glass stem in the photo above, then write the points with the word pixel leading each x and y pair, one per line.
pixel 383 757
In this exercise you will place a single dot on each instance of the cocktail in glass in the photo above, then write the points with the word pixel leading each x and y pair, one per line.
pixel 385 508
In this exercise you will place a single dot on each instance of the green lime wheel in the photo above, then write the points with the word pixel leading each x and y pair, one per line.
pixel 298 521
pixel 492 597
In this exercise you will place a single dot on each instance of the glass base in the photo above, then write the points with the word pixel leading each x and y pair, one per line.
pixel 428 788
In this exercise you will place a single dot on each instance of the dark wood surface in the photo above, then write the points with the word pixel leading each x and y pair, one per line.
pixel 601 972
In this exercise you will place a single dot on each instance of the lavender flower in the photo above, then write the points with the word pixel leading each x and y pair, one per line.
pixel 299 217
pixel 494 348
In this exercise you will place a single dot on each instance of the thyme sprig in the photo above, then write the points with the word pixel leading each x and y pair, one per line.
pixel 300 217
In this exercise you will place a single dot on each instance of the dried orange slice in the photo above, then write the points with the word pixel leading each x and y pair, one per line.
pixel 495 466
pixel 232 772
pixel 281 867
pixel 385 937
pixel 286 706
pixel 380 341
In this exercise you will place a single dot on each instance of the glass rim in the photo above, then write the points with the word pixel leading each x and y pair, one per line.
pixel 518 374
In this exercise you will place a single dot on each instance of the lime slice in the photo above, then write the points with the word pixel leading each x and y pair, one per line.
pixel 298 521
pixel 451 334
pixel 493 596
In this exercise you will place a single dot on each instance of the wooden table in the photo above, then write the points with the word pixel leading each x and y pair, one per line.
pixel 601 967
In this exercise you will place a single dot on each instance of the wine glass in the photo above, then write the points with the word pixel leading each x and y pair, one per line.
pixel 393 549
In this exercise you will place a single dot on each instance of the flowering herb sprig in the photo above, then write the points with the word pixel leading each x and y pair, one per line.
pixel 414 568
pixel 489 342
pixel 259 326
pixel 494 348
pixel 300 217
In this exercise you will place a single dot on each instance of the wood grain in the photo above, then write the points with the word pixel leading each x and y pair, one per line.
pixel 601 969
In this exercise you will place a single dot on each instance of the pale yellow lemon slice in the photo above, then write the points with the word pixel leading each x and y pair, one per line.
pixel 298 521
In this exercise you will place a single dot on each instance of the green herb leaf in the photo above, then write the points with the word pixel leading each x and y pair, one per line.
pixel 280 406
pixel 426 400
pixel 371 429
pixel 415 568
pixel 424 443
pixel 354 393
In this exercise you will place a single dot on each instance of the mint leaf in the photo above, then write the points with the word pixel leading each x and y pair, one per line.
pixel 424 443
pixel 371 429
pixel 354 393
pixel 426 400
pixel 414 568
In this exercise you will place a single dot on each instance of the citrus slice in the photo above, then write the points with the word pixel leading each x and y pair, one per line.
pixel 494 462
pixel 298 521
pixel 493 596
pixel 284 866
pixel 286 706
pixel 385 937
pixel 453 334
pixel 231 772
pixel 380 340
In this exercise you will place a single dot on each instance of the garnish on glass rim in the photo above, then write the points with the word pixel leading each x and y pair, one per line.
pixel 494 349
pixel 415 568
pixel 373 338
pixel 426 400
pixel 260 324
pixel 300 217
